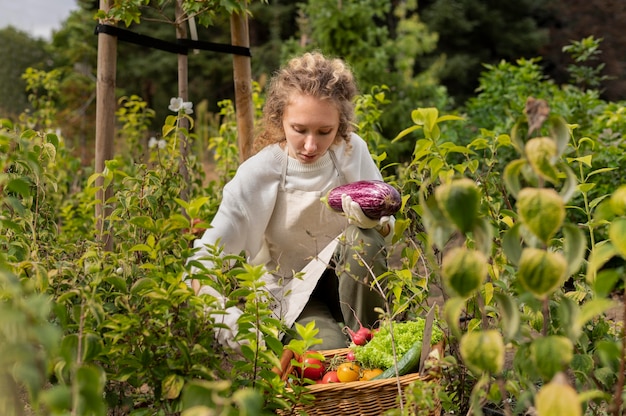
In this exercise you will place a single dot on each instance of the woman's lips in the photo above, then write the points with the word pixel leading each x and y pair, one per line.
pixel 307 157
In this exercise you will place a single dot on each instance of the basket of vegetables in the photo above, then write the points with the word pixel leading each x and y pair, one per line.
pixel 367 379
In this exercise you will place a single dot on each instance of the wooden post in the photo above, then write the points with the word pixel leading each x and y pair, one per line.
pixel 105 124
pixel 183 92
pixel 243 85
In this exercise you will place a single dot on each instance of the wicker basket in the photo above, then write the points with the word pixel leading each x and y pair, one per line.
pixel 358 398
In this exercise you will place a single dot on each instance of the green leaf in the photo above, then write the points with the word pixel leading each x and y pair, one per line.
pixel 90 381
pixel 439 228
pixel 172 385
pixel 117 282
pixel 593 308
pixel 142 286
pixel 574 247
pixel 516 137
pixel 92 347
pixel 541 210
pixel 58 398
pixel 196 204
pixel 571 183
pixel 452 310
pixel 249 402
pixel 142 247
pixel 512 244
pixel 509 315
pixel 598 171
pixel 511 176
pixel 144 222
pixel 586 187
pixel 600 254
pixel 20 186
pixel 605 281
pixel 617 234
pixel 560 132
pixel 541 154
pixel 405 132
pixel 585 160
pixel 167 129
pixel 483 235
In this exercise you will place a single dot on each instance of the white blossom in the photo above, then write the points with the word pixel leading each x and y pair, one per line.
pixel 188 107
pixel 153 142
pixel 177 104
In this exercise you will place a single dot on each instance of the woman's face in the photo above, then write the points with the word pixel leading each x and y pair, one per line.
pixel 310 126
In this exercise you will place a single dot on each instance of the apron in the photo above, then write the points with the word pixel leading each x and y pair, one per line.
pixel 308 231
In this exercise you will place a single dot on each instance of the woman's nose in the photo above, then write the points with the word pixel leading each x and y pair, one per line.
pixel 310 144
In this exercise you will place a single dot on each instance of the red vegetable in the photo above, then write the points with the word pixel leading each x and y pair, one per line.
pixel 362 335
pixel 330 377
pixel 312 367
pixel 376 198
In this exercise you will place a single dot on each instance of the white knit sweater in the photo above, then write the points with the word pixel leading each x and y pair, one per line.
pixel 249 198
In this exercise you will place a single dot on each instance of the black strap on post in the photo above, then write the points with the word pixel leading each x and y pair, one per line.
pixel 181 47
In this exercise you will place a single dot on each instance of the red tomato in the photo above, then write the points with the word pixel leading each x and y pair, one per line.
pixel 312 367
pixel 330 377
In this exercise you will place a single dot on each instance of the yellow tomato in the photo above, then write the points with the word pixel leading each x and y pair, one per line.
pixel 370 374
pixel 347 372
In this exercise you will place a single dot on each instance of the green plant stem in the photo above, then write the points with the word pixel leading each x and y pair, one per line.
pixel 79 348
pixel 505 396
pixel 484 321
pixel 619 386
pixel 393 341
pixel 546 316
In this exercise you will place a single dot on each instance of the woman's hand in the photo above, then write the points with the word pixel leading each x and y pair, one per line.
pixel 195 285
pixel 356 216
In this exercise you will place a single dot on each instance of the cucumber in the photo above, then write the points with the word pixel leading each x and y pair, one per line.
pixel 406 364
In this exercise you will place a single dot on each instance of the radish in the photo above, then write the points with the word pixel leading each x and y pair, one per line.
pixel 362 335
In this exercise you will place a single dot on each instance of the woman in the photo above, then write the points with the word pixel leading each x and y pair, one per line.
pixel 271 209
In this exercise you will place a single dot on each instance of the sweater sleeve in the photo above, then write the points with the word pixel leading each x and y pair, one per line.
pixel 238 226
pixel 245 210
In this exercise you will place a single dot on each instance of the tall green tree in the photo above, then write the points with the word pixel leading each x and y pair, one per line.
pixel 18 51
pixel 573 20
pixel 477 32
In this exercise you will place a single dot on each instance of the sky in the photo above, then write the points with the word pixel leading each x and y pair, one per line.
pixel 38 18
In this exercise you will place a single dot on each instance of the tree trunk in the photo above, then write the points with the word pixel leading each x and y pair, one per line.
pixel 243 85
pixel 105 125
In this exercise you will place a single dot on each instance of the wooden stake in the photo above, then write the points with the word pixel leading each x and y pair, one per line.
pixel 183 92
pixel 105 124
pixel 243 85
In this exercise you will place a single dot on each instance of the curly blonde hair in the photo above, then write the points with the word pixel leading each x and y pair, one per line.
pixel 311 74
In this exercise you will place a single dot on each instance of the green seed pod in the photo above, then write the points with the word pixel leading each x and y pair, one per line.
pixel 558 398
pixel 618 201
pixel 541 153
pixel 551 354
pixel 541 210
pixel 460 201
pixel 540 271
pixel 463 270
pixel 483 351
